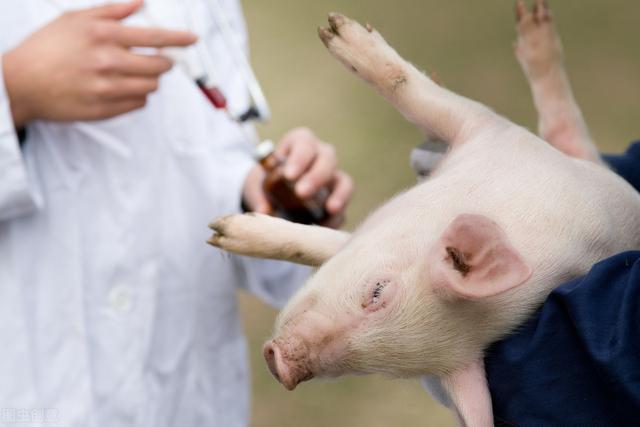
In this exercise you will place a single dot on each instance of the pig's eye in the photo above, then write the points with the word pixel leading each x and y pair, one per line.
pixel 377 291
pixel 374 297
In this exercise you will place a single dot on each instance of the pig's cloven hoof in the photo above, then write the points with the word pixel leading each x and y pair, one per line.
pixel 236 233
pixel 538 47
pixel 363 51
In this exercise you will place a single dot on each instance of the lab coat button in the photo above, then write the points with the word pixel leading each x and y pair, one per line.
pixel 120 299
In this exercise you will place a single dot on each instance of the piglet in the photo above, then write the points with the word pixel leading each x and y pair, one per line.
pixel 439 272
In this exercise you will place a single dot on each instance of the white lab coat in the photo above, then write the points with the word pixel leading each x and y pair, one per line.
pixel 113 310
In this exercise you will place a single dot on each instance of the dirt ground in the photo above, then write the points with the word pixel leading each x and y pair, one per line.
pixel 469 44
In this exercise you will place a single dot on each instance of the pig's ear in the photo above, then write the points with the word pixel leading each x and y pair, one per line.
pixel 473 259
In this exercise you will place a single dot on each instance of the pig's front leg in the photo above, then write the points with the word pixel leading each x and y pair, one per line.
pixel 264 236
pixel 539 52
pixel 469 395
pixel 466 393
pixel 441 113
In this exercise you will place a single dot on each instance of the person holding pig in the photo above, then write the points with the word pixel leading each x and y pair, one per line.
pixel 113 308
pixel 577 361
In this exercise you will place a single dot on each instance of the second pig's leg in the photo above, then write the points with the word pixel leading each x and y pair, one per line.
pixel 443 114
pixel 539 52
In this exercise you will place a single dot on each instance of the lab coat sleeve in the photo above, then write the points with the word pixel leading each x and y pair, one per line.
pixel 16 194
pixel 274 282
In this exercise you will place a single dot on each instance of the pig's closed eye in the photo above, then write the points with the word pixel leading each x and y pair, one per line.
pixel 373 300
pixel 377 291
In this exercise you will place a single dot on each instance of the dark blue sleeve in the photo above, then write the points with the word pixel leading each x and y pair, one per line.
pixel 627 165
pixel 577 361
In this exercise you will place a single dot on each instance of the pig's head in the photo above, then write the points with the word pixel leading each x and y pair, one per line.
pixel 399 304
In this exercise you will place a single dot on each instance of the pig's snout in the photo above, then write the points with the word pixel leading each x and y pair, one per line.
pixel 274 360
pixel 288 365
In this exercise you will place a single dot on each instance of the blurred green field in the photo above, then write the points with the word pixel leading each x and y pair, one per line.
pixel 469 45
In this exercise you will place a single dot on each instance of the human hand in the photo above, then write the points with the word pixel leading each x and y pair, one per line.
pixel 310 163
pixel 80 66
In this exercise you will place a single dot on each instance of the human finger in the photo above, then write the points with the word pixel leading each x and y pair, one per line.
pixel 130 36
pixel 142 65
pixel 105 110
pixel 341 193
pixel 299 148
pixel 125 87
pixel 115 11
pixel 320 172
pixel 253 195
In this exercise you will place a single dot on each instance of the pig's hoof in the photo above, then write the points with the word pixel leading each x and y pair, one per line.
pixel 238 233
pixel 538 47
pixel 363 51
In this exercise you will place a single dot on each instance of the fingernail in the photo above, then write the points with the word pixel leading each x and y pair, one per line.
pixel 290 171
pixel 263 207
pixel 334 206
pixel 303 188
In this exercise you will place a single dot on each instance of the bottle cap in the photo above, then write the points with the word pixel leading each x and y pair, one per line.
pixel 264 149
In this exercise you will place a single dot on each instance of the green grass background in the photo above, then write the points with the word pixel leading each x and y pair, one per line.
pixel 469 44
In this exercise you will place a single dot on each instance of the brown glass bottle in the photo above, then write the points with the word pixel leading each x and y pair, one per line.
pixel 281 193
